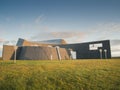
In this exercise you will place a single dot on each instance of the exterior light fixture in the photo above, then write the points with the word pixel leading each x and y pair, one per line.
pixel 100 50
pixel 105 53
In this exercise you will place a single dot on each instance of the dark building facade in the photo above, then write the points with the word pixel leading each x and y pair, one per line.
pixel 90 50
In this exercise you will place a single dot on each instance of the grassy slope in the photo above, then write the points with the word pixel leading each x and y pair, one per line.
pixel 60 75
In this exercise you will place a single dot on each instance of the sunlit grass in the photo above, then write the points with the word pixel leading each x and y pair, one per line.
pixel 60 75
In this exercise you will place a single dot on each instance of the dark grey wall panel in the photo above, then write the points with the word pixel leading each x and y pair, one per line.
pixel 83 49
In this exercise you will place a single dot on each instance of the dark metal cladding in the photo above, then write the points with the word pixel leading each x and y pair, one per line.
pixel 83 49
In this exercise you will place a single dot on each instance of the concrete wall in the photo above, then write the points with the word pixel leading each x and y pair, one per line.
pixel 40 53
pixel 8 52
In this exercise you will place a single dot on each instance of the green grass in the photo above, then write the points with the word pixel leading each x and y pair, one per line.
pixel 60 75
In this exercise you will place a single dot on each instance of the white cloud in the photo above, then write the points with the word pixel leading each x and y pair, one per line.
pixel 115 48
pixel 1 40
pixel 38 19
pixel 66 34
pixel 104 31
pixel 1 47
pixel 69 36
pixel 115 54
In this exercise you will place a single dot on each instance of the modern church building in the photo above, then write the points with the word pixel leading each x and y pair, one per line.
pixel 56 50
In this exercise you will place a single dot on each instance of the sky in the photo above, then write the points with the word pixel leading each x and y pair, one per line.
pixel 75 21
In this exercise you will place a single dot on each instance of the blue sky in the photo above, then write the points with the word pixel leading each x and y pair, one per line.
pixel 72 20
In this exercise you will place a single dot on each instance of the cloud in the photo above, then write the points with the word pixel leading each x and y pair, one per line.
pixel 111 26
pixel 104 31
pixel 66 34
pixel 115 47
pixel 1 47
pixel 115 42
pixel 101 31
pixel 1 44
pixel 70 37
pixel 2 40
pixel 5 42
pixel 115 54
pixel 38 19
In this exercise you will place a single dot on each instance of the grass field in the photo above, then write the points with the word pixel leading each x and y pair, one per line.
pixel 0 58
pixel 60 75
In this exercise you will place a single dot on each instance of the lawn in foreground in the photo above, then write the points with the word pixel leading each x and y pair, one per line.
pixel 60 75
